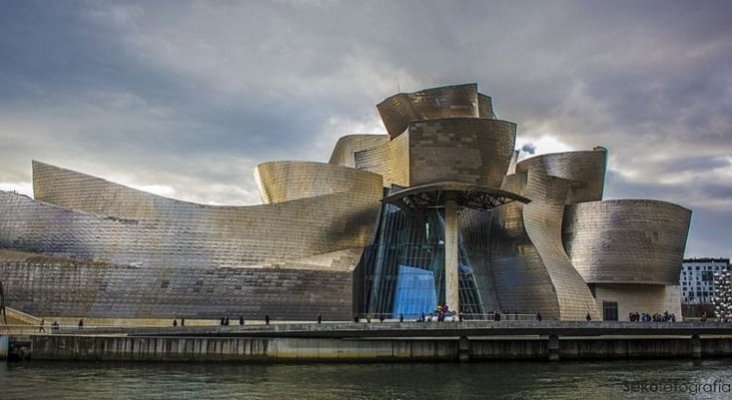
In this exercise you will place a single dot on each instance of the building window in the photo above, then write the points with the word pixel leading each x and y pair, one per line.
pixel 609 310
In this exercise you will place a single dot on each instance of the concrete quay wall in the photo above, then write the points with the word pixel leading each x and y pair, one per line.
pixel 249 349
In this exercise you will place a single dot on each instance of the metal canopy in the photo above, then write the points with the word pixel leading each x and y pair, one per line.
pixel 434 195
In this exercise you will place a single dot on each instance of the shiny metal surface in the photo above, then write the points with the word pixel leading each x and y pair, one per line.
pixel 627 241
pixel 87 246
pixel 344 152
pixel 444 102
pixel 146 228
pixel 71 287
pixel 389 159
pixel 531 271
pixel 584 169
pixel 281 181
pixel 152 256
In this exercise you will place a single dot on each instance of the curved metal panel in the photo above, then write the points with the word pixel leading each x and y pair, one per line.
pixel 346 148
pixel 470 150
pixel 443 102
pixel 627 241
pixel 185 235
pixel 485 107
pixel 64 287
pixel 543 223
pixel 520 279
pixel 390 160
pixel 78 191
pixel 281 181
pixel 584 169
pixel 531 271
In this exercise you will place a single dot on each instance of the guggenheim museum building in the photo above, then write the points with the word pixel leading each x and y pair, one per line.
pixel 437 211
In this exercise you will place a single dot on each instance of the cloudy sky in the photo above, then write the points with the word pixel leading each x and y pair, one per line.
pixel 185 98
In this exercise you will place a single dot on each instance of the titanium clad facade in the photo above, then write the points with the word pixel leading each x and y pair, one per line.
pixel 627 241
pixel 531 271
pixel 362 234
pixel 64 287
pixel 214 240
pixel 281 181
pixel 346 148
pixel 390 160
pixel 398 111
pixel 584 169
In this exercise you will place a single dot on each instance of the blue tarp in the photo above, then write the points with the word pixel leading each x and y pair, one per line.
pixel 415 292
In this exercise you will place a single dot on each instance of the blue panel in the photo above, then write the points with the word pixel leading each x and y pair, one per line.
pixel 415 292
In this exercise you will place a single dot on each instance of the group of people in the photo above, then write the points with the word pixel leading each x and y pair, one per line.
pixel 224 321
pixel 42 326
pixel 657 317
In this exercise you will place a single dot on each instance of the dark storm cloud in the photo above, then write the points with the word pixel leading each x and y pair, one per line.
pixel 187 97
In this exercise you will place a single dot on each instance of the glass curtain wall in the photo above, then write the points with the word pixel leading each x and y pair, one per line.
pixel 403 272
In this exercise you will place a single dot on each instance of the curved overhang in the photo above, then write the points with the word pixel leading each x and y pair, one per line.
pixel 627 241
pixel 442 102
pixel 344 152
pixel 584 169
pixel 281 181
pixel 434 195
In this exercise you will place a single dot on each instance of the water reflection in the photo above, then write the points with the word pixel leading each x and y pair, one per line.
pixel 519 380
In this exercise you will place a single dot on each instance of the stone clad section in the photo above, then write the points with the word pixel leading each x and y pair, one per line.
pixel 627 241
pixel 584 169
pixel 281 181
pixel 346 148
pixel 640 298
pixel 468 150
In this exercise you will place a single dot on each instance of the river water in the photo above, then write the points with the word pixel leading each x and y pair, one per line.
pixel 667 379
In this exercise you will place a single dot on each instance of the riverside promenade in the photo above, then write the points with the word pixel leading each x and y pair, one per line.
pixel 386 341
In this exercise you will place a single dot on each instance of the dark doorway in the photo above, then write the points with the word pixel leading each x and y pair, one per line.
pixel 609 311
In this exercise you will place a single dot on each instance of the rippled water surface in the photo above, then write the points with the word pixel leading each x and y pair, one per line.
pixel 504 380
